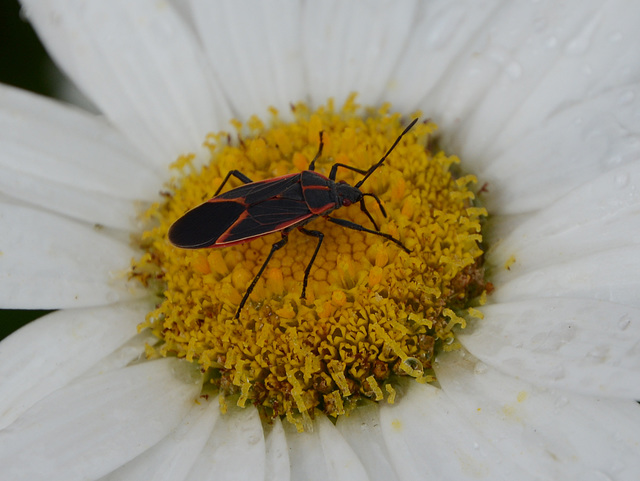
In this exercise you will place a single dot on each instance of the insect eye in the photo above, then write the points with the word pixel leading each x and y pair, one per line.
pixel 346 202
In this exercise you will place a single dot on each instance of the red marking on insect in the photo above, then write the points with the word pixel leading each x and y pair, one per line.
pixel 280 204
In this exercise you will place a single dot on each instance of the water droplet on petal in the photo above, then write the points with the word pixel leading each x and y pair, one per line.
pixel 577 46
pixel 414 364
pixel 540 24
pixel 615 37
pixel 556 373
pixel 514 70
pixel 594 476
pixel 580 43
pixel 612 161
pixel 561 402
pixel 622 180
pixel 624 322
pixel 446 27
pixel 112 297
pixel 626 97
pixel 599 353
pixel 480 368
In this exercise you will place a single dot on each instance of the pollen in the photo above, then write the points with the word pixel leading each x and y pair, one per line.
pixel 373 313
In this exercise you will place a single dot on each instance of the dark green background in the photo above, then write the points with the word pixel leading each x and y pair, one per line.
pixel 25 64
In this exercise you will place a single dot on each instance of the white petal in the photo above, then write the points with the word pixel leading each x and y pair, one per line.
pixel 362 430
pixel 536 59
pixel 93 426
pixel 303 465
pixel 173 457
pixel 322 454
pixel 128 352
pixel 354 47
pixel 256 50
pixel 342 462
pixel 442 42
pixel 68 161
pixel 50 262
pixel 429 439
pixel 141 65
pixel 582 345
pixel 524 89
pixel 583 245
pixel 543 165
pixel 48 353
pixel 551 435
pixel 277 466
pixel 611 275
pixel 599 215
pixel 235 450
pixel 572 53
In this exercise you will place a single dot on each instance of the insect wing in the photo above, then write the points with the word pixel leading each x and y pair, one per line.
pixel 203 226
pixel 317 192
pixel 241 214
pixel 260 191
pixel 286 209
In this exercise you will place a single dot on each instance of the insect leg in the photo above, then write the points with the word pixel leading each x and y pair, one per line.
pixel 278 245
pixel 363 208
pixel 238 175
pixel 384 212
pixel 320 236
pixel 354 226
pixel 312 165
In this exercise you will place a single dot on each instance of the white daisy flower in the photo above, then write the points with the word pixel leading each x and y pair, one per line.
pixel 539 99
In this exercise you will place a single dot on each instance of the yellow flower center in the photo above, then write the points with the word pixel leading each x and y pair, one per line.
pixel 372 311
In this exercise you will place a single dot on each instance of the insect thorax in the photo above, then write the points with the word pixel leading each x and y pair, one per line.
pixel 347 194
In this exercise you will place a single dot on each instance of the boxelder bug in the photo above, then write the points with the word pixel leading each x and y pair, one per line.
pixel 280 204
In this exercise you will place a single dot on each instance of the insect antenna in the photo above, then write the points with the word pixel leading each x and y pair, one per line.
pixel 381 161
pixel 312 165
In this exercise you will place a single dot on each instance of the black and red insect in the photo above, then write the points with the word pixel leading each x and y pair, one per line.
pixel 280 204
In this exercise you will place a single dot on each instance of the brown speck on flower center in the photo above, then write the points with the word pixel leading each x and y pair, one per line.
pixel 372 313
